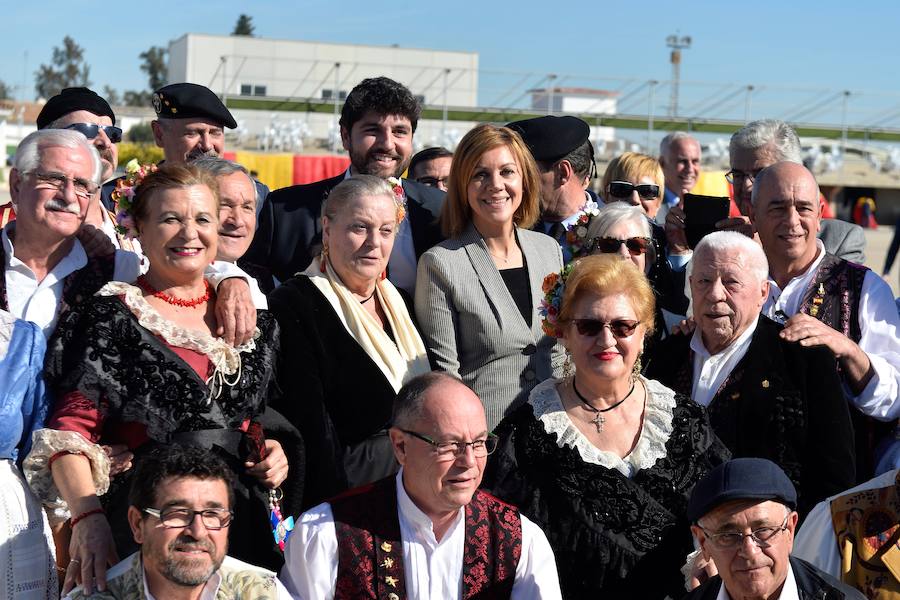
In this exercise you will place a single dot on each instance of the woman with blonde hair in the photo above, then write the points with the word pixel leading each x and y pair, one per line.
pixel 477 293
pixel 604 459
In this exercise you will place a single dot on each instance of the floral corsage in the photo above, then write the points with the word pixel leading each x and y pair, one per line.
pixel 553 287
pixel 123 196
pixel 399 197
pixel 576 235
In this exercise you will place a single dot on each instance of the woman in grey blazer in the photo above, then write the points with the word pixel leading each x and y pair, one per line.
pixel 477 293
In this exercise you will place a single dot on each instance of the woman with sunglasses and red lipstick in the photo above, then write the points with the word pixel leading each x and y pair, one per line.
pixel 604 459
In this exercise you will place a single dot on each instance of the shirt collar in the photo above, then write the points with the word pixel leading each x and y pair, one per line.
pixel 76 256
pixel 700 349
pixel 413 515
pixel 820 249
pixel 789 590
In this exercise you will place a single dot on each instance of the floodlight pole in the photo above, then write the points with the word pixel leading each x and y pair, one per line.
pixel 677 44
pixel 336 94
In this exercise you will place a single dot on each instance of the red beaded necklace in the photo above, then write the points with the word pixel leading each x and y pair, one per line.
pixel 189 303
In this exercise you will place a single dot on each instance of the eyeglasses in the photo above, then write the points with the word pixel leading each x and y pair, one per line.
pixel 84 188
pixel 176 517
pixel 433 181
pixel 607 245
pixel 623 189
pixel 454 449
pixel 620 328
pixel 734 539
pixel 736 175
pixel 90 131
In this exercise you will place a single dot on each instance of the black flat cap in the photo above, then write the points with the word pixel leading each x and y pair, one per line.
pixel 191 101
pixel 70 100
pixel 550 138
pixel 741 479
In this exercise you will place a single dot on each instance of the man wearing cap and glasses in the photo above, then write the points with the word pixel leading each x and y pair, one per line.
pixel 180 513
pixel 427 532
pixel 744 519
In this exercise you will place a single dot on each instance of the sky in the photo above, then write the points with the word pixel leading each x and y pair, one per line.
pixel 775 45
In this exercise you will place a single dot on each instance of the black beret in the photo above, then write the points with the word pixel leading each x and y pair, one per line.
pixel 70 100
pixel 741 479
pixel 550 138
pixel 191 101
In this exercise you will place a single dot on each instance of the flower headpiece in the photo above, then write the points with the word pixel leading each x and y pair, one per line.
pixel 123 196
pixel 399 197
pixel 576 235
pixel 554 287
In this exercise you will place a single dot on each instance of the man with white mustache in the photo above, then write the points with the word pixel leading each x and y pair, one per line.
pixel 378 120
pixel 180 511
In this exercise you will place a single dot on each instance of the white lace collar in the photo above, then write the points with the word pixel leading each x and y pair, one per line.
pixel 226 359
pixel 651 445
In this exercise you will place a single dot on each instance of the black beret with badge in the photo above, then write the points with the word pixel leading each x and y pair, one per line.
pixel 72 99
pixel 191 101
pixel 741 479
pixel 550 138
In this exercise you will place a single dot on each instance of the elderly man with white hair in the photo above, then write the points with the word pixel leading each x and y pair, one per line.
pixel 766 397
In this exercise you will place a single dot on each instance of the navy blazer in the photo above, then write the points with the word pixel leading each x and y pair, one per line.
pixel 289 231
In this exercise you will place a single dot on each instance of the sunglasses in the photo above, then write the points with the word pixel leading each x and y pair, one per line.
pixel 620 328
pixel 607 245
pixel 90 131
pixel 623 189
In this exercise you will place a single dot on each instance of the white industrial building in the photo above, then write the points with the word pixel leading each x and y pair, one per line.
pixel 251 66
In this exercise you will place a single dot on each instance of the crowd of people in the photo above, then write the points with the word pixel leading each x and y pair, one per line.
pixel 457 374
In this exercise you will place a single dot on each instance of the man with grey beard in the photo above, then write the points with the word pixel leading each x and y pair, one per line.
pixel 190 123
pixel 180 513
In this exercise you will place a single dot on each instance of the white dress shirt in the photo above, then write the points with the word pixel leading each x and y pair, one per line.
pixel 816 543
pixel 433 569
pixel 880 340
pixel 710 370
pixel 38 301
pixel 789 590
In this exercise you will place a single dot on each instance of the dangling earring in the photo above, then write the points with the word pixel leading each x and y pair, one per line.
pixel 568 367
pixel 636 370
pixel 324 257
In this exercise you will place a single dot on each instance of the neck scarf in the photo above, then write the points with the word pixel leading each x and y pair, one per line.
pixel 400 361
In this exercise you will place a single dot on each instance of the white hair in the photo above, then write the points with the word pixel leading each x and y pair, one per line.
pixel 751 253
pixel 220 167
pixel 768 132
pixel 28 153
pixel 666 143
pixel 618 212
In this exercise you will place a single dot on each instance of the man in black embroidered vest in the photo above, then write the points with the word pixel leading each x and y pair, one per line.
pixel 743 516
pixel 825 300
pixel 377 124
pixel 428 532
pixel 766 397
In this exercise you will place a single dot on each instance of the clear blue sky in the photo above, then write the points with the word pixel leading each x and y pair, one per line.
pixel 822 44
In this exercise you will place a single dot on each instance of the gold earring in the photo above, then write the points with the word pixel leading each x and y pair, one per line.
pixel 568 367
pixel 636 370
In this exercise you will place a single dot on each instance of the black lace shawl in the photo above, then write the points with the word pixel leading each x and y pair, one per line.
pixel 613 537
pixel 100 350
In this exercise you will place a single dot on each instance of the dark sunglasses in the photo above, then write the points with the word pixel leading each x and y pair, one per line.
pixel 620 328
pixel 607 245
pixel 90 131
pixel 623 189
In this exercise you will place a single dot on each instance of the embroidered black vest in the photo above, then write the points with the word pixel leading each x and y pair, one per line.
pixel 370 550
pixel 834 295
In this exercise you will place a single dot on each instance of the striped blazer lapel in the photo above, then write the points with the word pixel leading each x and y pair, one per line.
pixel 504 308
pixel 539 267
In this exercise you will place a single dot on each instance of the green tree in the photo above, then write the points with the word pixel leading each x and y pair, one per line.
pixel 67 68
pixel 4 91
pixel 141 133
pixel 244 26
pixel 133 98
pixel 111 95
pixel 154 65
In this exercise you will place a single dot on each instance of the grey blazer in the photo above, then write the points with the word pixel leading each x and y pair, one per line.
pixel 844 240
pixel 472 327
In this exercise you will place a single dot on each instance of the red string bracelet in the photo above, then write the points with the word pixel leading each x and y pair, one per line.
pixel 84 515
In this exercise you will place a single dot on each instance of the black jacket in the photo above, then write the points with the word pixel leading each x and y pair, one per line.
pixel 812 584
pixel 782 401
pixel 289 231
